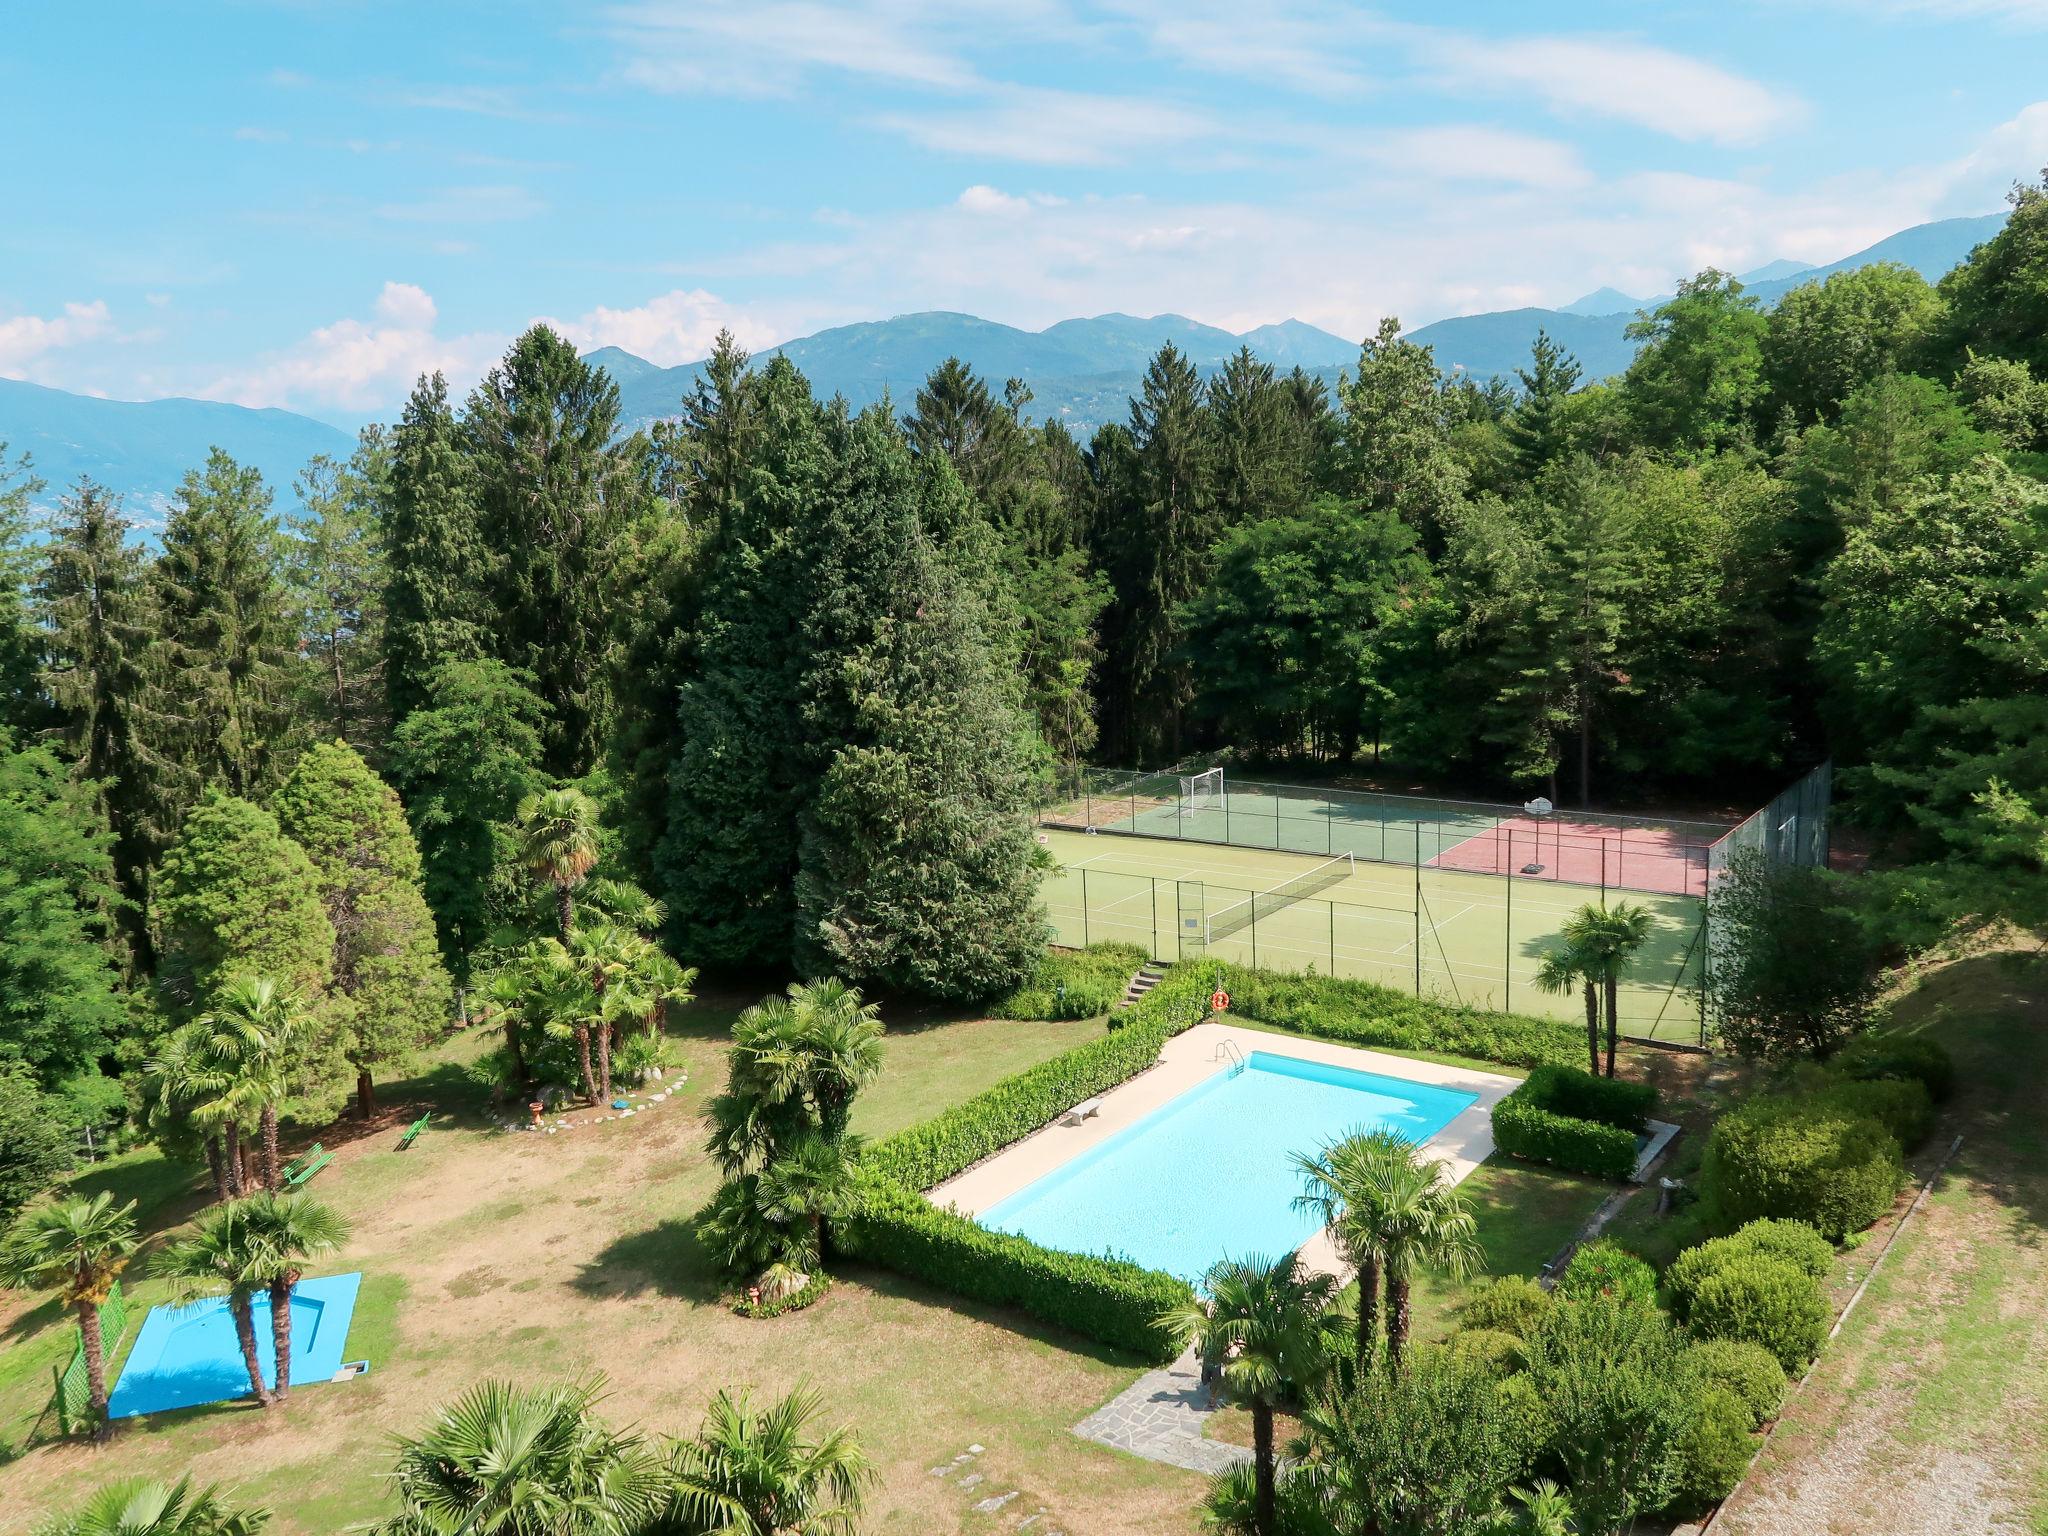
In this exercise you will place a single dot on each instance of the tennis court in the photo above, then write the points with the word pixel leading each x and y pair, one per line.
pixel 1430 928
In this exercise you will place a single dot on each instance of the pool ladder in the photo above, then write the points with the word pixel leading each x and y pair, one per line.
pixel 1226 1050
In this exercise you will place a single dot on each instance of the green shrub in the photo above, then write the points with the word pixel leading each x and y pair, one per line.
pixel 1112 1301
pixel 1361 1013
pixel 1498 1353
pixel 1871 1057
pixel 1793 1241
pixel 1074 984
pixel 1900 1105
pixel 1512 1304
pixel 811 1290
pixel 1525 1129
pixel 1805 1158
pixel 1529 1423
pixel 1581 1095
pixel 1748 1370
pixel 1714 1450
pixel 1766 1301
pixel 1603 1268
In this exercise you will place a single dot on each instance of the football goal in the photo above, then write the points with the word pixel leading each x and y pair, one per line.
pixel 1202 791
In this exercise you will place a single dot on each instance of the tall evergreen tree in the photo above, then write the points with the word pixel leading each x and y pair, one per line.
pixel 1159 520
pixel 553 495
pixel 1265 450
pixel 386 964
pixel 224 674
pixel 437 599
pixel 1536 427
pixel 93 608
pixel 726 864
pixel 22 704
pixel 915 866
pixel 335 557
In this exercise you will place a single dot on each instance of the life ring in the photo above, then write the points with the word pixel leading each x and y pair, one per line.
pixel 1218 1000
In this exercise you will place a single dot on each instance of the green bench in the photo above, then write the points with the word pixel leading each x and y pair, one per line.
pixel 304 1166
pixel 413 1131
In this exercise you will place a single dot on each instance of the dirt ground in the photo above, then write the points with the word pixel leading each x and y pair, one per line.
pixel 1924 1417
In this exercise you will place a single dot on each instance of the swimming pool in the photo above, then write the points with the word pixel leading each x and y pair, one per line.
pixel 1211 1173
pixel 185 1356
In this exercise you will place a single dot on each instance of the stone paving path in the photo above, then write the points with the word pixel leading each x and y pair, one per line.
pixel 1160 1417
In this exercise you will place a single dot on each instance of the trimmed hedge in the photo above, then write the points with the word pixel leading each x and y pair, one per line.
pixel 1360 1013
pixel 1884 1055
pixel 1803 1158
pixel 1900 1105
pixel 1793 1241
pixel 1582 1096
pixel 962 1136
pixel 1571 1119
pixel 1074 984
pixel 1748 1370
pixel 811 1290
pixel 1109 1300
pixel 1765 1301
pixel 1713 1451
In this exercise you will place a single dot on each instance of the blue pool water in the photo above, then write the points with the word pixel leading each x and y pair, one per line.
pixel 1211 1173
pixel 185 1356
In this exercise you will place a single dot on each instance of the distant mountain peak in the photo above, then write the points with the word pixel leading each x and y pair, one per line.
pixel 1603 301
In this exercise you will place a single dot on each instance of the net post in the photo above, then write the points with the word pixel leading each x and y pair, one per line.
pixel 1154 945
pixel 1254 925
pixel 1418 909
pixel 1333 936
pixel 1227 841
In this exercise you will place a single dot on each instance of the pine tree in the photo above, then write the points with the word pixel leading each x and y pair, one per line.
pixel 235 897
pixel 1535 428
pixel 1159 522
pixel 92 605
pixel 729 856
pixel 22 703
pixel 437 599
pixel 1265 451
pixel 386 963
pixel 553 495
pixel 916 855
pixel 335 557
pixel 224 674
pixel 463 761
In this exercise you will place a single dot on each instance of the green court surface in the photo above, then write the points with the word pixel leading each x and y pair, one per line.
pixel 1442 933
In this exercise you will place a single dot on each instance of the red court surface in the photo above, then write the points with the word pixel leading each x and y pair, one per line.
pixel 1584 853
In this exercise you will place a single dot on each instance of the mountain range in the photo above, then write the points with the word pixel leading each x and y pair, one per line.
pixel 1081 372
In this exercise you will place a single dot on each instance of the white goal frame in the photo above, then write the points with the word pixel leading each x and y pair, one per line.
pixel 1202 791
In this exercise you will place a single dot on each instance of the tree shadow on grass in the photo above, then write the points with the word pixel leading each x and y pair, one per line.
pixel 665 1260
pixel 885 1282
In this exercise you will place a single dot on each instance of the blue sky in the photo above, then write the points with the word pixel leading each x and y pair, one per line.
pixel 306 204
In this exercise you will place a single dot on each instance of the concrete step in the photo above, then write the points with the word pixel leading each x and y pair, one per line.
pixel 1147 978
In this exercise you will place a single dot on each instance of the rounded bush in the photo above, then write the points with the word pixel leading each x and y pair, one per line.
pixel 1900 1105
pixel 1871 1057
pixel 1713 1452
pixel 1806 1159
pixel 1603 1268
pixel 1498 1354
pixel 1748 1370
pixel 1764 1301
pixel 1793 1241
pixel 1512 1304
pixel 1528 1419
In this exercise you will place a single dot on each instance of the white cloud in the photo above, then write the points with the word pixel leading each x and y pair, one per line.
pixel 1463 152
pixel 361 365
pixel 1051 127
pixel 732 48
pixel 985 199
pixel 2030 13
pixel 1652 87
pixel 1303 46
pixel 24 338
pixel 675 327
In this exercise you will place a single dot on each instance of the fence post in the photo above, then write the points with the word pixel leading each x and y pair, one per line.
pixel 1507 946
pixel 1333 938
pixel 1418 909
pixel 1084 907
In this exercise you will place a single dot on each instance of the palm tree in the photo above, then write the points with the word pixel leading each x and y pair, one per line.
pixel 806 1183
pixel 145 1506
pixel 253 1035
pixel 1610 937
pixel 288 1230
pixel 77 1247
pixel 1342 1185
pixel 188 1090
pixel 842 1043
pixel 1262 1333
pixel 667 983
pixel 222 1252
pixel 797 1061
pixel 766 1474
pixel 558 843
pixel 1569 965
pixel 524 1461
pixel 1416 1220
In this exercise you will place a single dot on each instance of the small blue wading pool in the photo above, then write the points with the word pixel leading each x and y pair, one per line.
pixel 185 1356
pixel 1211 1173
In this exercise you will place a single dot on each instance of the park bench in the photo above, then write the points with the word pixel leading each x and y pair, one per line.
pixel 1087 1109
pixel 413 1131
pixel 302 1168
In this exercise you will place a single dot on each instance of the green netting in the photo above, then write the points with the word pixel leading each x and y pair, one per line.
pixel 73 1397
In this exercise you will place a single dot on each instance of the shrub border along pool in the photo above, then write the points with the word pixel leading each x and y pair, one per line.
pixel 1112 1300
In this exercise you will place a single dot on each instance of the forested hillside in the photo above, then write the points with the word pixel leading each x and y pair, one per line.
pixel 796 673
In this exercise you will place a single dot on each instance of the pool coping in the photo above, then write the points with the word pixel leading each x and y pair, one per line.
pixel 1198 1053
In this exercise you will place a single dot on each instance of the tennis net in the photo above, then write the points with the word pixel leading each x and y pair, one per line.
pixel 1240 915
